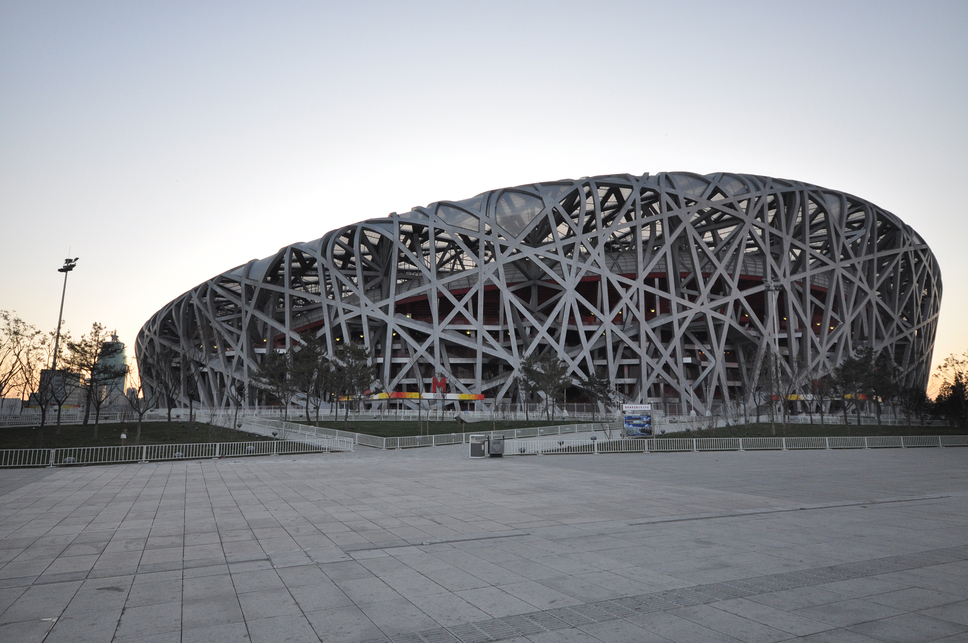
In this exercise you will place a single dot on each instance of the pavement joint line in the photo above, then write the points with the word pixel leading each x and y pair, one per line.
pixel 573 616
pixel 428 543
pixel 780 510
pixel 72 577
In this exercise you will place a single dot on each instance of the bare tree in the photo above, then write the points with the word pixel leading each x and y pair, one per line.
pixel 952 399
pixel 236 392
pixel 17 338
pixel 10 340
pixel 164 367
pixel 95 357
pixel 24 351
pixel 33 361
pixel 139 400
pixel 63 383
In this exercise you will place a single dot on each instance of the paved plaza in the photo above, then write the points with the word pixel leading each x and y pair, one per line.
pixel 429 545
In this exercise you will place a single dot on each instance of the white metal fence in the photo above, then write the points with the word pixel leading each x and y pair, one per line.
pixel 72 418
pixel 667 445
pixel 161 452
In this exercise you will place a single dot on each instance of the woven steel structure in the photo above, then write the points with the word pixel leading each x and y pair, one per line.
pixel 666 284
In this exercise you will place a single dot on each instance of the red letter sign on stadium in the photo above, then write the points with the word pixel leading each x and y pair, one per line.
pixel 440 384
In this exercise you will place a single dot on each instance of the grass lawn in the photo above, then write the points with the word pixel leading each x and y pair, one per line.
pixel 392 428
pixel 181 433
pixel 110 435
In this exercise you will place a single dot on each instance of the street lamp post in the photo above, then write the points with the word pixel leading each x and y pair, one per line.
pixel 66 268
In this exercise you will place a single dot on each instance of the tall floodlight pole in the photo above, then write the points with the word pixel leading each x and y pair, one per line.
pixel 66 268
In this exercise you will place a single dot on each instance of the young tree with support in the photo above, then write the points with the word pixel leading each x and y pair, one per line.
pixel 866 375
pixel 599 391
pixel 328 383
pixel 64 382
pixel 275 374
pixel 792 380
pixel 822 391
pixel 192 374
pixel 307 372
pixel 880 379
pixel 356 374
pixel 544 374
pixel 845 385
pixel 165 367
pixel 770 381
pixel 236 394
pixel 753 390
pixel 915 403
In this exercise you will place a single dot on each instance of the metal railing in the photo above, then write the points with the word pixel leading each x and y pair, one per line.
pixel 31 417
pixel 671 418
pixel 805 443
pixel 25 457
pixel 670 445
pixel 293 431
pixel 161 452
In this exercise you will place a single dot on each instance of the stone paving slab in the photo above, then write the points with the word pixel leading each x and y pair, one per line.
pixel 428 545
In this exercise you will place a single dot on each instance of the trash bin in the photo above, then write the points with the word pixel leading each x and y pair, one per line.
pixel 495 446
pixel 478 445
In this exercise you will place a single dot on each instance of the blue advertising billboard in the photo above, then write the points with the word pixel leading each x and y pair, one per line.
pixel 638 420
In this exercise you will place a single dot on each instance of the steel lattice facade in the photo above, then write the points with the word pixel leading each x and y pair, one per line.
pixel 667 284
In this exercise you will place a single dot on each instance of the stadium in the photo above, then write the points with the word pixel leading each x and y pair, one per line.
pixel 669 285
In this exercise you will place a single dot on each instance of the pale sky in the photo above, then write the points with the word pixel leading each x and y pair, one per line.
pixel 164 143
